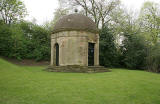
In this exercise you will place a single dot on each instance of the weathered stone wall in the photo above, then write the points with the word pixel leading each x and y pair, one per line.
pixel 73 47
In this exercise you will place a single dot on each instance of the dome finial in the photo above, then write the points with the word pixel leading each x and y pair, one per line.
pixel 76 10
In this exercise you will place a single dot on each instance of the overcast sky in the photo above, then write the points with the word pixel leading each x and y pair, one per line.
pixel 42 10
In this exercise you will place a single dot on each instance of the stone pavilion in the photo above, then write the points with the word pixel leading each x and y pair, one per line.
pixel 75 41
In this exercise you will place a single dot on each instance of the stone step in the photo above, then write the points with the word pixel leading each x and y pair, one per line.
pixel 79 69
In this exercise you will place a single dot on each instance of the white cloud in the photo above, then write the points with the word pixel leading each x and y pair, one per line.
pixel 42 10
pixel 136 4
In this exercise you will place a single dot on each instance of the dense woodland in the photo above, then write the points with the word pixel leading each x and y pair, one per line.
pixel 127 39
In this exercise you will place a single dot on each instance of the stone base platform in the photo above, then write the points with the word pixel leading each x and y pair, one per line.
pixel 77 69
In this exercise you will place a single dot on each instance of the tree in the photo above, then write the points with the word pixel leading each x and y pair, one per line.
pixel 150 28
pixel 60 12
pixel 5 40
pixel 134 51
pixel 36 41
pixel 98 10
pixel 24 40
pixel 150 21
pixel 109 55
pixel 133 47
pixel 12 10
pixel 153 58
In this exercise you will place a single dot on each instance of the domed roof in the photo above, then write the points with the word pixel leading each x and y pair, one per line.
pixel 75 22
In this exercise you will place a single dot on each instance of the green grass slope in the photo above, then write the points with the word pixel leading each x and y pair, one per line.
pixel 31 85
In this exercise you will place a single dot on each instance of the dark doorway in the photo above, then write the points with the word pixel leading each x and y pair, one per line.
pixel 90 54
pixel 57 54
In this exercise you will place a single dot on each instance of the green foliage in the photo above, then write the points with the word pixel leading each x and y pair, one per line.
pixel 41 41
pixel 150 21
pixel 5 40
pixel 25 40
pixel 109 55
pixel 37 41
pixel 134 51
pixel 139 49
pixel 12 10
pixel 153 58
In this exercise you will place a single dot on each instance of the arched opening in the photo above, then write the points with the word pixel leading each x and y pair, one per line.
pixel 57 54
pixel 91 54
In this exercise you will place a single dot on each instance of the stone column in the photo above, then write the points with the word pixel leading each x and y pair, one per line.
pixel 51 53
pixel 96 54
pixel 86 51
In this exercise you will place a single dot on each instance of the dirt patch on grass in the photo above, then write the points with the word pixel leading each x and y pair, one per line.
pixel 26 62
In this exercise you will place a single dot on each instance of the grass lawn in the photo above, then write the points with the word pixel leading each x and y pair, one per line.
pixel 31 85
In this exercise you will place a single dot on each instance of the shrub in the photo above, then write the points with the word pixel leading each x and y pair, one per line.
pixel 134 51
pixel 109 55
pixel 153 58
pixel 25 41
pixel 5 40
